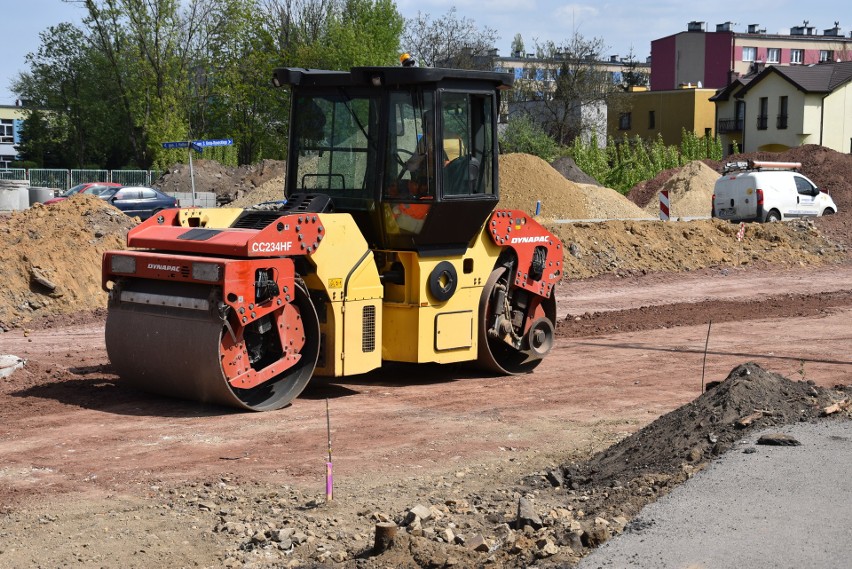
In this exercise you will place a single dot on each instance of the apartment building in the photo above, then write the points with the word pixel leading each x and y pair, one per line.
pixel 715 59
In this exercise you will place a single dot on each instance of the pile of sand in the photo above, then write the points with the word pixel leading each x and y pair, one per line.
pixel 228 183
pixel 690 191
pixel 50 257
pixel 526 180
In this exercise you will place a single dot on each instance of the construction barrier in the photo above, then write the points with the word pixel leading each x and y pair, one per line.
pixel 664 205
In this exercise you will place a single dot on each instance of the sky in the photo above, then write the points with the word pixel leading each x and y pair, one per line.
pixel 622 25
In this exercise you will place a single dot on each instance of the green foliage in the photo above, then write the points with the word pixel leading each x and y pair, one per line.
pixel 138 73
pixel 623 164
pixel 522 134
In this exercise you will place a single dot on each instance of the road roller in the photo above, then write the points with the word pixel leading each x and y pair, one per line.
pixel 388 245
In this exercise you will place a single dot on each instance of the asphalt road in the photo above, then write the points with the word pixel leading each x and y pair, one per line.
pixel 774 508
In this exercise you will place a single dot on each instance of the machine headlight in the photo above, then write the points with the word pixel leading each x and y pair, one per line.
pixel 206 272
pixel 122 264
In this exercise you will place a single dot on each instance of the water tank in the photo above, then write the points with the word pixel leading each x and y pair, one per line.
pixel 14 195
pixel 39 195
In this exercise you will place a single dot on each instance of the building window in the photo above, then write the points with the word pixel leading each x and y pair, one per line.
pixel 763 114
pixel 749 53
pixel 624 121
pixel 826 55
pixel 773 55
pixel 797 56
pixel 782 113
pixel 652 120
pixel 7 131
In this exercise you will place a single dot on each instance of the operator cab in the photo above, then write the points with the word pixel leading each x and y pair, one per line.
pixel 410 153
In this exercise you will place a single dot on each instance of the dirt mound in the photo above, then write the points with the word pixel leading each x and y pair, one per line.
pixel 829 169
pixel 690 191
pixel 269 191
pixel 568 168
pixel 228 183
pixel 606 203
pixel 50 257
pixel 526 179
pixel 625 247
pixel 679 442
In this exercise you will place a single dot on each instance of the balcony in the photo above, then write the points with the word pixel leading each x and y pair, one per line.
pixel 730 125
pixel 781 122
pixel 762 122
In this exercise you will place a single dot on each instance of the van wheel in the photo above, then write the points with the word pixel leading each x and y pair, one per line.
pixel 773 216
pixel 828 211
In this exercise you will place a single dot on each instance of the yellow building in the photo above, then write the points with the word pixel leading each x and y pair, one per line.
pixel 648 114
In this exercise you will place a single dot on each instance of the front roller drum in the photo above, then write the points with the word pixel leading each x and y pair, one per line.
pixel 172 341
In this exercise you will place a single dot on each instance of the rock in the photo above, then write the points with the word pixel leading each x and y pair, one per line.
pixel 595 536
pixel 778 439
pixel 478 543
pixel 447 535
pixel 545 548
pixel 418 512
pixel 556 478
pixel 527 515
pixel 695 454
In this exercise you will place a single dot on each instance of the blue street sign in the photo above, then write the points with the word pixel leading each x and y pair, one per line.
pixel 170 145
pixel 199 145
pixel 216 142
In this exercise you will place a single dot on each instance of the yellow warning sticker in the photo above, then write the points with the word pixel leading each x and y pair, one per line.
pixel 335 283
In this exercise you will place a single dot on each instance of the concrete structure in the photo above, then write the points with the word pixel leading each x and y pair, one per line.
pixel 588 119
pixel 665 113
pixel 11 118
pixel 715 59
pixel 784 107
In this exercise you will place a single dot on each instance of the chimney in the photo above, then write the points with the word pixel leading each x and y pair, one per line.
pixel 695 26
pixel 726 27
pixel 755 29
pixel 834 32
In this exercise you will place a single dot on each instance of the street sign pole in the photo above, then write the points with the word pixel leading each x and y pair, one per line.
pixel 198 146
pixel 191 176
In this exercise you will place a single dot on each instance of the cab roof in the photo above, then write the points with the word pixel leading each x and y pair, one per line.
pixel 387 76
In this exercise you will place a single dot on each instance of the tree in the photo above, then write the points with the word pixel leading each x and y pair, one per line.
pixel 518 46
pixel 565 89
pixel 633 75
pixel 449 42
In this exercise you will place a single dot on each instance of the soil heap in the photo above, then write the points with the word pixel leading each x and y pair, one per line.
pixel 829 169
pixel 526 179
pixel 63 244
pixel 228 183
pixel 50 257
pixel 690 191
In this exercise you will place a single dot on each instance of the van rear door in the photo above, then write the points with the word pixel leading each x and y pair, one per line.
pixel 736 197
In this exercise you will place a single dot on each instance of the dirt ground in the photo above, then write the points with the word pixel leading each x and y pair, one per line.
pixel 475 471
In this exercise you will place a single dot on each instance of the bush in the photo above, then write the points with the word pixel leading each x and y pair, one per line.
pixel 522 134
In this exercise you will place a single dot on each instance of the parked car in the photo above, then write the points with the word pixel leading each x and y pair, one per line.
pixel 93 188
pixel 767 191
pixel 138 201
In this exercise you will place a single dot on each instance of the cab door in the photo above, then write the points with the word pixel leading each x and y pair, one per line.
pixel 806 194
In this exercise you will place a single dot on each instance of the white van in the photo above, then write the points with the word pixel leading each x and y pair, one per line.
pixel 767 191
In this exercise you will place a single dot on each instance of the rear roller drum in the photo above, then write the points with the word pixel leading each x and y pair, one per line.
pixel 503 349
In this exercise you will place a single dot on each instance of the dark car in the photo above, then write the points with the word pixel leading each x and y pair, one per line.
pixel 138 201
pixel 93 188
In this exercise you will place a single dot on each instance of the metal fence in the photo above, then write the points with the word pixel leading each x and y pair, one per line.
pixel 60 179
